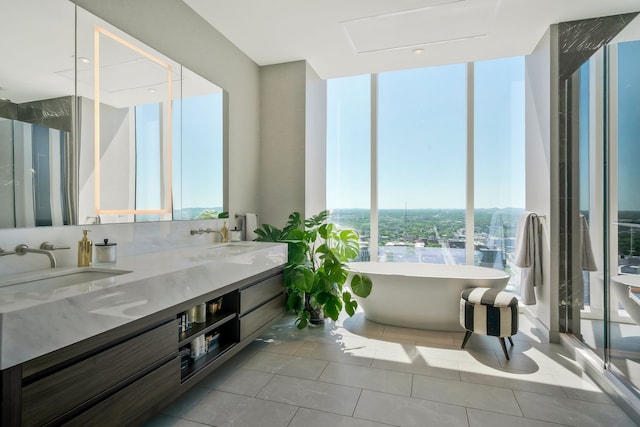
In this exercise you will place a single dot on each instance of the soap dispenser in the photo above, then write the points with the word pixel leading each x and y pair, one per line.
pixel 224 231
pixel 85 250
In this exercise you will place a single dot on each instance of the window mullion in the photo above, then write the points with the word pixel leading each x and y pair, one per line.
pixel 469 206
pixel 373 240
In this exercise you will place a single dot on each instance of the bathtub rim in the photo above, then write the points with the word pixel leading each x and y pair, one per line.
pixel 413 268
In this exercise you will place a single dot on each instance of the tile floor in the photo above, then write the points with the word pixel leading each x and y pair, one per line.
pixel 358 373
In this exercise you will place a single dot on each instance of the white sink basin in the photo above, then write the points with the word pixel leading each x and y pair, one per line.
pixel 59 279
pixel 228 249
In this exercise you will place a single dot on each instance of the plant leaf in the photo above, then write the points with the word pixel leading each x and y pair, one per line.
pixel 268 233
pixel 295 302
pixel 315 221
pixel 299 278
pixel 293 223
pixel 350 305
pixel 333 307
pixel 361 285
pixel 303 319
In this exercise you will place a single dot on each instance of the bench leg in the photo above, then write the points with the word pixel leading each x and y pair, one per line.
pixel 466 338
pixel 511 341
pixel 504 347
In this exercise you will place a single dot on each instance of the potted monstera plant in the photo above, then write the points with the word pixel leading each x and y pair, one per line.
pixel 316 270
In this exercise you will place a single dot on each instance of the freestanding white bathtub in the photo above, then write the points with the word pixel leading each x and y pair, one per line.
pixel 423 296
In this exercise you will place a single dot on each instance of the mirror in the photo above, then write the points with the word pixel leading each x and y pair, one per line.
pixel 36 115
pixel 122 134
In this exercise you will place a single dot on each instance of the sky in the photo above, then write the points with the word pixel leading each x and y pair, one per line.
pixel 628 125
pixel 422 129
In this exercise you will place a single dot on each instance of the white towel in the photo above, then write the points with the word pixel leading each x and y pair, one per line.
pixel 528 255
pixel 250 224
pixel 587 259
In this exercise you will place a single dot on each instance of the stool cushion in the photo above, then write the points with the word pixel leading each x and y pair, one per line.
pixel 489 296
pixel 489 312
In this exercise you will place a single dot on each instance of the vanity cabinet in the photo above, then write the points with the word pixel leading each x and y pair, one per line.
pixel 259 303
pixel 103 373
pixel 125 375
pixel 133 405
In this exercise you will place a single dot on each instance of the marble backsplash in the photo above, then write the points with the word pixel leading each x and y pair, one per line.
pixel 132 239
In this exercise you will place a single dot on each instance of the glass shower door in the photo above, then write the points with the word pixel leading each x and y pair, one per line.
pixel 624 141
pixel 587 106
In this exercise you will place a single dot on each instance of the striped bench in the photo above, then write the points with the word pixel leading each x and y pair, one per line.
pixel 490 312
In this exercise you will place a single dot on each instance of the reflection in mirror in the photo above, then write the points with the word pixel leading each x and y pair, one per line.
pixel 33 186
pixel 198 125
pixel 149 184
pixel 124 98
pixel 38 96
pixel 37 177
pixel 147 104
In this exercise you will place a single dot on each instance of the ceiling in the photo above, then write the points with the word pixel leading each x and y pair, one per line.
pixel 349 37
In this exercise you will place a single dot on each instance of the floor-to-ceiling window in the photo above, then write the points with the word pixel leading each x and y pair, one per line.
pixel 422 127
pixel 349 155
pixel 417 136
pixel 499 175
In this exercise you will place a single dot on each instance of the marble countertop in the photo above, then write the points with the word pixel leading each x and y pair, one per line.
pixel 39 317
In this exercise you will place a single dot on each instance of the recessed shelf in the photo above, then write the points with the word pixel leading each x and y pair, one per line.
pixel 195 366
pixel 257 301
pixel 213 321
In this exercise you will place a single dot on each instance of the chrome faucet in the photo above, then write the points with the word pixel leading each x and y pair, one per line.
pixel 218 232
pixel 3 252
pixel 210 230
pixel 24 249
pixel 48 246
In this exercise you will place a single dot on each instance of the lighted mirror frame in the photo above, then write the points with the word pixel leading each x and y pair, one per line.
pixel 167 177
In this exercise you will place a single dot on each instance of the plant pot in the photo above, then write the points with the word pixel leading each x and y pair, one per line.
pixel 317 316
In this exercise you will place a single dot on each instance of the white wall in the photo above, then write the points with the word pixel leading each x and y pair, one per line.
pixel 282 156
pixel 293 142
pixel 541 169
pixel 316 143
